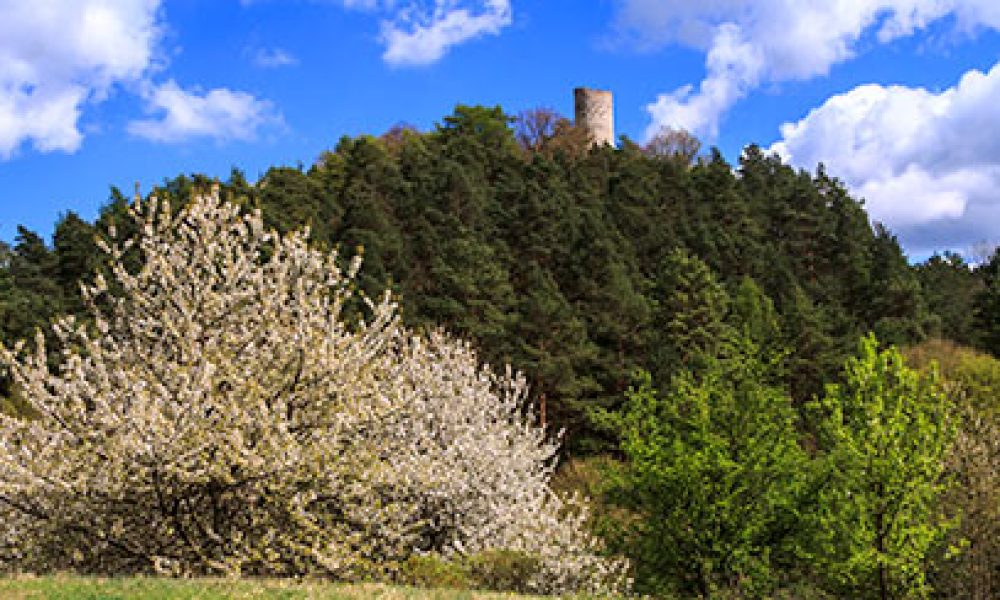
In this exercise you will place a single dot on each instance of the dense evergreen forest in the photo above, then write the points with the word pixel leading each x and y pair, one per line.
pixel 692 326
pixel 578 266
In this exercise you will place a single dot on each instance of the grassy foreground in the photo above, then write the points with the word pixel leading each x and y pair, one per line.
pixel 80 588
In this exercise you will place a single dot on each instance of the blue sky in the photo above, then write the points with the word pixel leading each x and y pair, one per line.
pixel 898 97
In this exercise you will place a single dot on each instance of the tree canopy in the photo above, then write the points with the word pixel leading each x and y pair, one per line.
pixel 556 259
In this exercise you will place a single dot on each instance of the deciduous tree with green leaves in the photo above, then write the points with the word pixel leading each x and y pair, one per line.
pixel 883 435
pixel 716 472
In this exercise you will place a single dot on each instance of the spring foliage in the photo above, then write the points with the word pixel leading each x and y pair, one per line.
pixel 217 413
pixel 885 435
pixel 716 471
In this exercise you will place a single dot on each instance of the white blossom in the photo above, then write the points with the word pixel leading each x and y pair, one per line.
pixel 217 413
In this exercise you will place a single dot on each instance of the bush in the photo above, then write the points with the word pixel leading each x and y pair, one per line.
pixel 967 563
pixel 504 570
pixel 218 414
pixel 494 570
pixel 432 571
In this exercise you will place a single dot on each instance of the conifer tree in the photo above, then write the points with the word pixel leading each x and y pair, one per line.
pixel 895 308
pixel 76 255
pixel 987 306
pixel 949 286
pixel 553 347
pixel 688 323
pixel 35 296
pixel 753 316
pixel 814 355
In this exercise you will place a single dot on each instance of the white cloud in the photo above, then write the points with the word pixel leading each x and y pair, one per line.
pixel 273 58
pixel 220 114
pixel 421 32
pixel 419 37
pixel 734 66
pixel 928 164
pixel 58 55
pixel 751 43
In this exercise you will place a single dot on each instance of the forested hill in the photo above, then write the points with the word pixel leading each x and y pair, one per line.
pixel 578 265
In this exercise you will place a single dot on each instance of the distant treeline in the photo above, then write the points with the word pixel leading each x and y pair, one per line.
pixel 579 266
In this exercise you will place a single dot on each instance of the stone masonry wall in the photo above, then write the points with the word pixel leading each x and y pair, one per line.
pixel 595 113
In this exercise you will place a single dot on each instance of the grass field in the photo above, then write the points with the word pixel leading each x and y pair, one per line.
pixel 78 588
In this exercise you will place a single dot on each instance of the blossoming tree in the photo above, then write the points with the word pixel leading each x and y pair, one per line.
pixel 218 413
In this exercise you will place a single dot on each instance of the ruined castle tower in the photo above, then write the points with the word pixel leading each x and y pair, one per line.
pixel 595 113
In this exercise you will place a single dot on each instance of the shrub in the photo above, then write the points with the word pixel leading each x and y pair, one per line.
pixel 967 564
pixel 502 570
pixel 218 414
pixel 432 571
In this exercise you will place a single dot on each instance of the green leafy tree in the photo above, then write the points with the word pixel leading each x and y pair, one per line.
pixel 715 470
pixel 883 436
pixel 753 315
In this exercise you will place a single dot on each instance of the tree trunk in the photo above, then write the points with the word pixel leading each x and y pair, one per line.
pixel 883 584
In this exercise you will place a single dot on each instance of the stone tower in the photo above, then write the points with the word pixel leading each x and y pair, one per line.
pixel 595 113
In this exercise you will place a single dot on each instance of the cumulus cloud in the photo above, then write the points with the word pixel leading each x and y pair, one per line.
pixel 219 114
pixel 748 44
pixel 58 55
pixel 421 32
pixel 927 163
pixel 423 37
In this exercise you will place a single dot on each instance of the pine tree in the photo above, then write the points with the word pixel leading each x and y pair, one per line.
pixel 895 310
pixel 949 286
pixel 35 296
pixel 553 347
pixel 753 316
pixel 688 319
pixel 987 306
pixel 814 354
pixel 76 256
